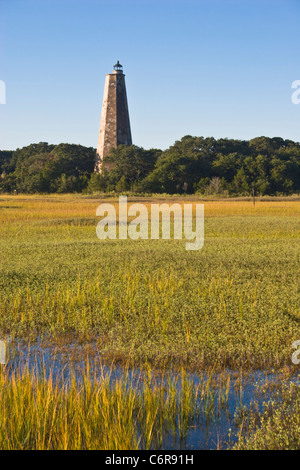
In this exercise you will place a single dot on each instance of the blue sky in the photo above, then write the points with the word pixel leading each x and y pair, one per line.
pixel 221 68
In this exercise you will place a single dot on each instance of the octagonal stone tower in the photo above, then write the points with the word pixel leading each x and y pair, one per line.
pixel 114 124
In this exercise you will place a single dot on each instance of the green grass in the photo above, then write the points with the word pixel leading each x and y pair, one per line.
pixel 90 408
pixel 234 303
pixel 41 413
pixel 277 426
pixel 150 303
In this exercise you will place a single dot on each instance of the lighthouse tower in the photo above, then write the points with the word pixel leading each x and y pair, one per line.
pixel 114 124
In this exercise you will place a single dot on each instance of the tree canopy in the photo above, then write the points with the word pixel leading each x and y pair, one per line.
pixel 270 166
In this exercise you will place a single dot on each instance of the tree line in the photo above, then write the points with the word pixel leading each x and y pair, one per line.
pixel 206 166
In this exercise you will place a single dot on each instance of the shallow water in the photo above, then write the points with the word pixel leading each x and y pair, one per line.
pixel 208 431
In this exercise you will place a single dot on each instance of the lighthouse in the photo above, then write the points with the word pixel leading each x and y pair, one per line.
pixel 114 123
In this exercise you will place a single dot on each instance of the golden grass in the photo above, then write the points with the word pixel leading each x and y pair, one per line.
pixel 93 410
pixel 234 302
pixel 21 208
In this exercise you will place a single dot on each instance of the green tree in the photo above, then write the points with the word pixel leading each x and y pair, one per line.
pixel 131 163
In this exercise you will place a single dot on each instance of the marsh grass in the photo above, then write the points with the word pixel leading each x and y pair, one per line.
pixel 234 303
pixel 147 304
pixel 90 407
pixel 276 424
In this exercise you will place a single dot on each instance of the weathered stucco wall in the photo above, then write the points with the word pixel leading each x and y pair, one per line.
pixel 114 124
